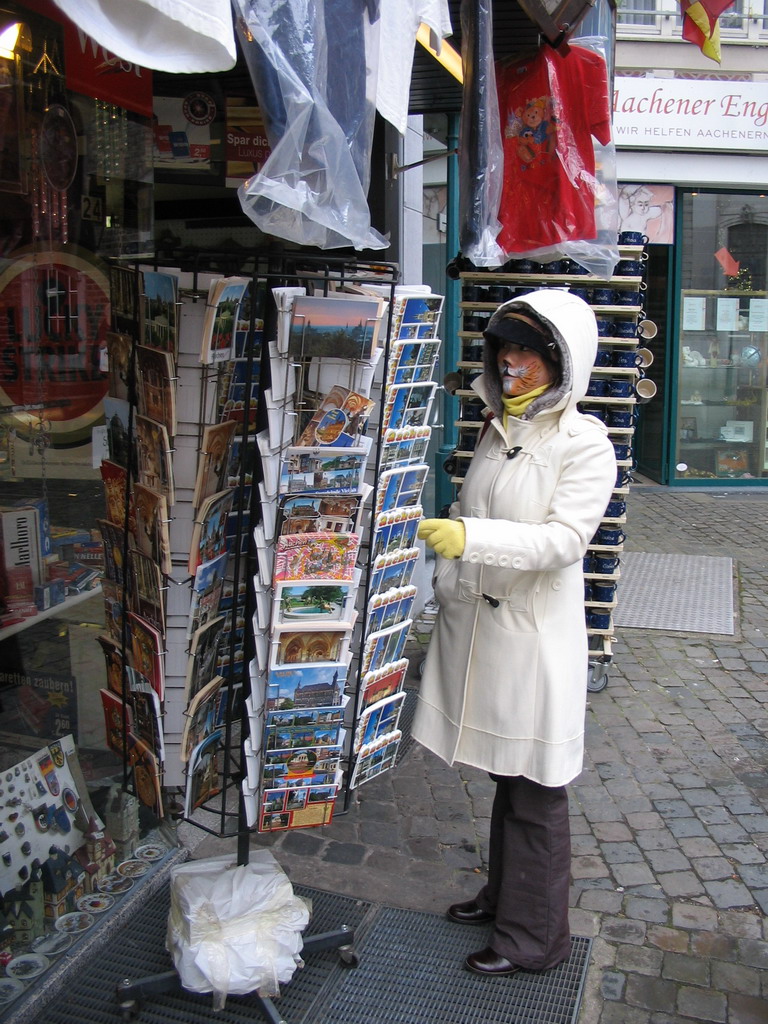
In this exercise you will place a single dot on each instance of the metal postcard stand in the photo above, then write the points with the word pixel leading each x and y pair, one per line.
pixel 265 272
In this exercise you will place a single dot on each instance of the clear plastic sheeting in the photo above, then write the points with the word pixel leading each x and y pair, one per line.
pixel 234 929
pixel 314 70
pixel 480 151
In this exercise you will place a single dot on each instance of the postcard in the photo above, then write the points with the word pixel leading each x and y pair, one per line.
pixel 117 497
pixel 203 653
pixel 153 454
pixel 113 609
pixel 145 591
pixel 203 772
pixel 242 460
pixel 287 738
pixel 375 758
pixel 213 461
pixel 389 608
pixel 118 721
pixel 221 318
pixel 146 774
pixel 308 645
pixel 393 570
pixel 322 469
pixel 156 386
pixel 416 311
pixel 338 421
pixel 396 529
pixel 152 522
pixel 313 600
pixel 297 807
pixel 119 349
pixel 405 446
pixel 209 533
pixel 315 556
pixel 408 405
pixel 159 311
pixel 412 362
pixel 303 764
pixel 383 681
pixel 384 646
pixel 318 513
pixel 147 651
pixel 200 717
pixel 147 715
pixel 119 423
pixel 401 487
pixel 378 720
pixel 239 394
pixel 113 656
pixel 124 288
pixel 306 718
pixel 346 328
pixel 117 546
pixel 306 686
pixel 206 593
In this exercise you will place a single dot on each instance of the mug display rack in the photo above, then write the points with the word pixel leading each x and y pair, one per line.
pixel 615 390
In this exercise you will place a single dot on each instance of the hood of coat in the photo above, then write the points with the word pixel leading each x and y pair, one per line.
pixel 574 329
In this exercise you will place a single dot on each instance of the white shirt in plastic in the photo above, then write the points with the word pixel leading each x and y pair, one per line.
pixel 400 20
pixel 182 36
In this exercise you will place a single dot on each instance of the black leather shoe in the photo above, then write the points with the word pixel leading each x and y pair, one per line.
pixel 487 961
pixel 469 913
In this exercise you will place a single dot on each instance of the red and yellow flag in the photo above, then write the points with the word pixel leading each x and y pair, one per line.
pixel 700 25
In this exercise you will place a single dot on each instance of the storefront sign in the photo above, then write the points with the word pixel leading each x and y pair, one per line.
pixel 246 141
pixel 96 72
pixel 681 113
pixel 182 131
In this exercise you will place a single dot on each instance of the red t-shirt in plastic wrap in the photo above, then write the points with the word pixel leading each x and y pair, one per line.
pixel 551 105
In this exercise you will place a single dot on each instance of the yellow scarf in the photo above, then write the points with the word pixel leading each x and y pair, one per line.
pixel 517 404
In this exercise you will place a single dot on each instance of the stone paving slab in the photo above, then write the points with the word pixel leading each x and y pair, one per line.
pixel 669 816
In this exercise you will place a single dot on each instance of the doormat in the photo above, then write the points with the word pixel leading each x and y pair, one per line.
pixel 410 971
pixel 686 593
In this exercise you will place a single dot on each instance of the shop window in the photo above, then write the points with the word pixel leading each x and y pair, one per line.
pixel 721 410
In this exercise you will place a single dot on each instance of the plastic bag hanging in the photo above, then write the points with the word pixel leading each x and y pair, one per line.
pixel 315 85
pixel 480 149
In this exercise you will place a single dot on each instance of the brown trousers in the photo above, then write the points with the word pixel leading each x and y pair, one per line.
pixel 529 873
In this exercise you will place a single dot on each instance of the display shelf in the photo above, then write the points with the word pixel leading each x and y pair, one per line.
pixel 57 609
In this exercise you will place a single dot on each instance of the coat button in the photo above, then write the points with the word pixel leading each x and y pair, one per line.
pixel 517 562
pixel 474 557
pixel 489 559
pixel 503 560
pixel 557 585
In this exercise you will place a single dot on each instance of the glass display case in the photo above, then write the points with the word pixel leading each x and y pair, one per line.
pixel 720 426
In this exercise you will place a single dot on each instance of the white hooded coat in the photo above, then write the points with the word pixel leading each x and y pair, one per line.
pixel 505 681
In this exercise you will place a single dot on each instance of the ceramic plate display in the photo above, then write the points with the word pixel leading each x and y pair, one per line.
pixel 115 883
pixel 10 988
pixel 133 868
pixel 151 852
pixel 52 944
pixel 26 966
pixel 95 902
pixel 73 923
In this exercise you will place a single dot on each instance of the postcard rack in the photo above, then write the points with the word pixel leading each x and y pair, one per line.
pixel 279 420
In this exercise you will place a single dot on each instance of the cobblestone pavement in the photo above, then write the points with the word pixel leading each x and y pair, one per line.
pixel 669 817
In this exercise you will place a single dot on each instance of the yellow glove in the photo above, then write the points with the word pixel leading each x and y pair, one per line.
pixel 445 536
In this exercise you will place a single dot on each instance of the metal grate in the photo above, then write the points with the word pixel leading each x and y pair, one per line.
pixel 689 593
pixel 410 972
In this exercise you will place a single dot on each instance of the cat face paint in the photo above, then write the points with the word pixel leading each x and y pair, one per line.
pixel 522 370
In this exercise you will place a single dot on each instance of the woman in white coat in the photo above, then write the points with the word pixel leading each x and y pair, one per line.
pixel 505 680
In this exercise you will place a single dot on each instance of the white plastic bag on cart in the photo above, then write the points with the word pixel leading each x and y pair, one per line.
pixel 234 929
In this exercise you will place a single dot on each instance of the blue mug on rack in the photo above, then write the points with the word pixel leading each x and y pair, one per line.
pixel 628 298
pixel 624 477
pixel 626 357
pixel 597 387
pixel 629 268
pixel 599 620
pixel 605 327
pixel 603 296
pixel 632 238
pixel 623 451
pixel 603 592
pixel 618 387
pixel 621 417
pixel 588 563
pixel 626 329
pixel 603 357
pixel 594 410
pixel 605 565
pixel 609 536
pixel 615 508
